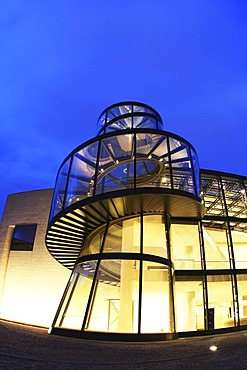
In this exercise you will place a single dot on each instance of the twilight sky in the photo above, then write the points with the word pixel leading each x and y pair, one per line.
pixel 64 61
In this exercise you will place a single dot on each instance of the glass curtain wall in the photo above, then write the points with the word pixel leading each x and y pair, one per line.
pixel 128 288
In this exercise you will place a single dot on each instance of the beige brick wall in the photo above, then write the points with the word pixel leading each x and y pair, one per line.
pixel 31 282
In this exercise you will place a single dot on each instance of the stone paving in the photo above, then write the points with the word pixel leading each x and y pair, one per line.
pixel 26 347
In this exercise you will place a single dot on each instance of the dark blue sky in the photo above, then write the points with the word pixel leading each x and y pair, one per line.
pixel 64 61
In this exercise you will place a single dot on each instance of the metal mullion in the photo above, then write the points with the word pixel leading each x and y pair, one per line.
pixel 96 168
pixel 160 141
pixel 167 223
pixel 109 151
pixel 67 182
pixel 84 159
pixel 170 161
pixel 134 143
pixel 62 300
pixel 69 299
pixel 132 117
pixel 140 274
pixel 178 149
pixel 204 277
pixel 231 260
pixel 93 289
pixel 193 172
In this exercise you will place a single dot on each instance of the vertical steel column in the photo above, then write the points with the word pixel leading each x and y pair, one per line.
pixel 91 297
pixel 170 161
pixel 204 277
pixel 67 182
pixel 96 169
pixel 140 275
pixel 62 300
pixel 232 260
pixel 167 222
pixel 193 172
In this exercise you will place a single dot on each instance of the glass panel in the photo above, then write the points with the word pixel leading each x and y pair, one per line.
pixel 23 237
pixel 144 122
pixel 120 177
pixel 220 302
pixel 93 245
pixel 114 175
pixel 239 240
pixel 154 237
pixel 81 177
pixel 242 298
pixel 216 249
pixel 58 197
pixel 115 303
pixel 138 108
pixel 181 166
pixel 212 196
pixel 196 171
pixel 72 312
pixel 185 247
pixel 235 198
pixel 156 316
pixel 189 304
pixel 123 236
pixel 148 172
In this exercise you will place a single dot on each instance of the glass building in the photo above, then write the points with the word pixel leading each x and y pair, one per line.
pixel 157 248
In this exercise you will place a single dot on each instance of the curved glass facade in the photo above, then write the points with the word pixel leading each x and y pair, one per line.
pixel 122 161
pixel 157 248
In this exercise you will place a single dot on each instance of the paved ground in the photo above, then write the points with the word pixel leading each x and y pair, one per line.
pixel 24 347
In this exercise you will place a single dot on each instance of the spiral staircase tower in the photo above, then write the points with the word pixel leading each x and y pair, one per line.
pixel 114 199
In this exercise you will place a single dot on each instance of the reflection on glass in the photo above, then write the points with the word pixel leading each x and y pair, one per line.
pixel 93 245
pixel 196 170
pixel 123 236
pixel 156 315
pixel 185 247
pixel 72 312
pixel 58 197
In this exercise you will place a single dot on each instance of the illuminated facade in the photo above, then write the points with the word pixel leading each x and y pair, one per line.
pixel 156 247
pixel 150 246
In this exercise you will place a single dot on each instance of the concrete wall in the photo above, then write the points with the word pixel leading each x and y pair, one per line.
pixel 31 282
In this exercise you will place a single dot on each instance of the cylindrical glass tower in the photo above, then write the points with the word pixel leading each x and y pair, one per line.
pixel 110 223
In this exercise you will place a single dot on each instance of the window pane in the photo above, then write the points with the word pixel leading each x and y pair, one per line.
pixel 242 298
pixel 154 237
pixel 240 248
pixel 189 304
pixel 82 172
pixel 235 198
pixel 115 304
pixel 212 196
pixel 123 236
pixel 185 247
pixel 23 237
pixel 156 315
pixel 74 305
pixel 58 197
pixel 216 249
pixel 220 301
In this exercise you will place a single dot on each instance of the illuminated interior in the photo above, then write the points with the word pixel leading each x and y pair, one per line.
pixel 156 247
